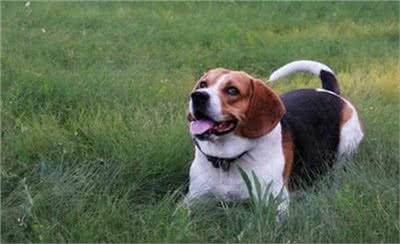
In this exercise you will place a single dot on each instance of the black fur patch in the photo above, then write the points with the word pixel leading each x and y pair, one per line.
pixel 313 119
pixel 329 81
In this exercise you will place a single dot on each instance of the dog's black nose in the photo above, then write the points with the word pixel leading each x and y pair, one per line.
pixel 200 97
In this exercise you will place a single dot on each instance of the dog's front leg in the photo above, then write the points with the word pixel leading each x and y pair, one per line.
pixel 283 206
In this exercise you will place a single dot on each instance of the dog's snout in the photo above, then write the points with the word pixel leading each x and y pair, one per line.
pixel 200 97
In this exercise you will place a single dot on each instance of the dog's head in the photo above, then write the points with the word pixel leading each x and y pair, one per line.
pixel 228 103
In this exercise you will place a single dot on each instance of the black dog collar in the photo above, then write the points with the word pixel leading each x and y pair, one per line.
pixel 224 163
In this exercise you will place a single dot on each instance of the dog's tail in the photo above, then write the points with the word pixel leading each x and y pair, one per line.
pixel 327 76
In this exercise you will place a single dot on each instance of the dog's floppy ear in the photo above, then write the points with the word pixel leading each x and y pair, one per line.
pixel 264 112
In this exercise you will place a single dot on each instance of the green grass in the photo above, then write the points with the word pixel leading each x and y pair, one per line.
pixel 95 146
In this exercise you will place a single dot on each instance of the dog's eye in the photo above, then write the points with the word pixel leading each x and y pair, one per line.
pixel 203 84
pixel 232 91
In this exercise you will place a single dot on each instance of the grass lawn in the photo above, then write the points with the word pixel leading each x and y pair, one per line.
pixel 95 145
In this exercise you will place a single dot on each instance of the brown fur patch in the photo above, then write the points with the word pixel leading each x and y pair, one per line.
pixel 235 106
pixel 346 114
pixel 264 111
pixel 211 77
pixel 288 152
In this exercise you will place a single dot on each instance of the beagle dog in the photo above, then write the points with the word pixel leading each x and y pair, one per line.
pixel 286 141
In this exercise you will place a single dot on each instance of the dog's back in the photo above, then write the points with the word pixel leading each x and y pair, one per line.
pixel 316 122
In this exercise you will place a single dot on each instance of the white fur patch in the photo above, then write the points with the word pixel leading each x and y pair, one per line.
pixel 351 133
pixel 215 107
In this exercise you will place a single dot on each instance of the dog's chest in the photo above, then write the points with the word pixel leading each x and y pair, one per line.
pixel 229 185
pixel 265 161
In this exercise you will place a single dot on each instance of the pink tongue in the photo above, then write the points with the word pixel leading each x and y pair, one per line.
pixel 198 127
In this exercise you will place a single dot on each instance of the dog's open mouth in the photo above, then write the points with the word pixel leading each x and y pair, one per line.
pixel 206 126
